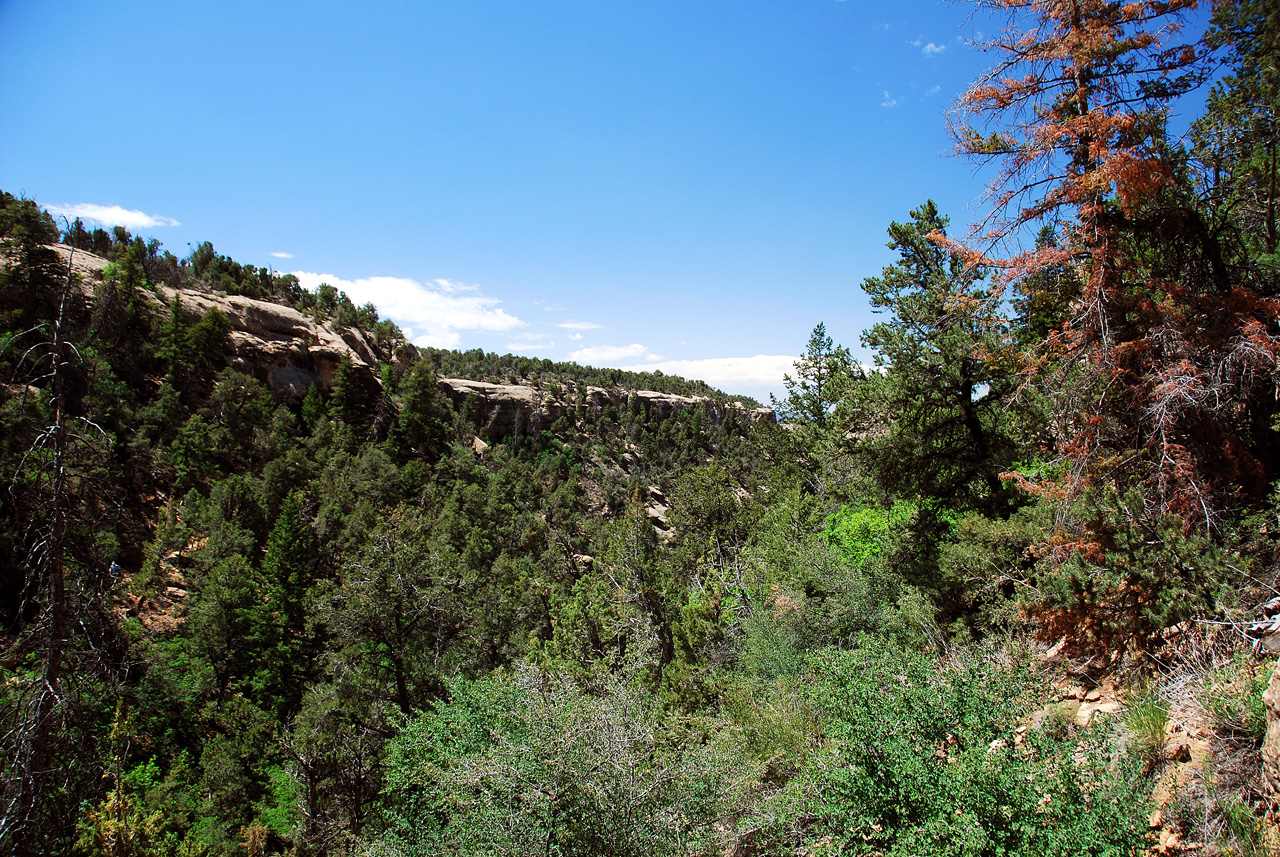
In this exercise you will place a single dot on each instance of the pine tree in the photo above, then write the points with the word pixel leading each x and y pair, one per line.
pixel 822 376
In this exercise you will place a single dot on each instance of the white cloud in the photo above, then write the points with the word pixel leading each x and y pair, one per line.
pixel 575 336
pixel 579 325
pixel 934 90
pixel 916 42
pixel 526 346
pixel 932 49
pixel 763 370
pixel 439 308
pixel 889 100
pixel 596 354
pixel 282 255
pixel 112 215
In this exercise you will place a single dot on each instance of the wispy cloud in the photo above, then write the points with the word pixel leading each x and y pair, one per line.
pixel 282 255
pixel 889 100
pixel 930 49
pixel 440 308
pixel 579 325
pixel 934 90
pixel 762 370
pixel 112 215
pixel 596 354
pixel 575 336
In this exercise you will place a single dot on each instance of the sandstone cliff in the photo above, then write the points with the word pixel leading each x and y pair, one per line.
pixel 277 344
pixel 500 410
pixel 289 351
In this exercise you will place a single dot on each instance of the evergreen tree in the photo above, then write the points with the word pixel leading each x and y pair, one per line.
pixel 822 376
pixel 945 375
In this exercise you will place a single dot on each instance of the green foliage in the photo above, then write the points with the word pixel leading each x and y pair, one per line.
pixel 823 375
pixel 1145 718
pixel 945 376
pixel 526 763
pixel 424 425
pixel 919 759
pixel 866 535
pixel 1135 575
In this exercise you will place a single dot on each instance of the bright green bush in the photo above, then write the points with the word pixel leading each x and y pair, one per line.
pixel 865 535
pixel 914 759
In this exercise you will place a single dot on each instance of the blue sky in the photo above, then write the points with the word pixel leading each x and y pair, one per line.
pixel 687 185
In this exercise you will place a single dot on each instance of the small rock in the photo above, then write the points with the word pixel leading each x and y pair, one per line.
pixel 1083 714
pixel 1074 692
pixel 1156 821
pixel 1093 695
pixel 1178 751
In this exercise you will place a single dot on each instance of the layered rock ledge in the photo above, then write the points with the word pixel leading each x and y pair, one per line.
pixel 501 410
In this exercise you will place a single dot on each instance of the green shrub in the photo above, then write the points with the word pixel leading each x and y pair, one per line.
pixel 1145 718
pixel 1232 695
pixel 532 764
pixel 914 759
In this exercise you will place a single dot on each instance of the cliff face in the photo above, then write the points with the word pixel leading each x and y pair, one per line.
pixel 276 344
pixel 282 347
pixel 289 351
pixel 500 410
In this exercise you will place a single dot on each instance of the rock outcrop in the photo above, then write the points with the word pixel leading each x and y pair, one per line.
pixel 280 346
pixel 289 352
pixel 274 343
pixel 1271 743
pixel 501 410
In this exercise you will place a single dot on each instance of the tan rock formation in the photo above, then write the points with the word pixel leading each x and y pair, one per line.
pixel 498 410
pixel 1271 743
pixel 290 351
pixel 277 344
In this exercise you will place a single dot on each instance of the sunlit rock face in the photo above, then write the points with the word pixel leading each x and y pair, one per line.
pixel 501 410
pixel 277 344
pixel 290 351
pixel 280 346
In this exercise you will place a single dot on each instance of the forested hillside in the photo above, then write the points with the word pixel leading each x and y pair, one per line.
pixel 269 586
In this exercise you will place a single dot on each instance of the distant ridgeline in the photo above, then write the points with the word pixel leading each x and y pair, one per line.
pixel 480 365
pixel 291 339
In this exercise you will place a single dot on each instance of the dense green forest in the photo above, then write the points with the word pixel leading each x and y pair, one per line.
pixel 239 621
